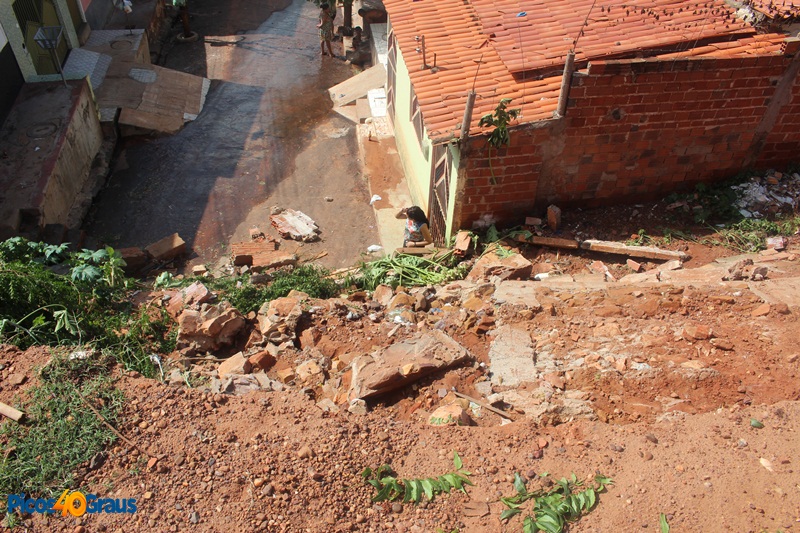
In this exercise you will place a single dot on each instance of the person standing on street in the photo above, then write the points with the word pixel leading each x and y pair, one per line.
pixel 325 29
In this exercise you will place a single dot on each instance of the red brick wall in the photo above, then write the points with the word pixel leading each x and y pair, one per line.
pixel 637 130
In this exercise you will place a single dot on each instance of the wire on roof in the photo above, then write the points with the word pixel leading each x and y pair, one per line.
pixel 583 26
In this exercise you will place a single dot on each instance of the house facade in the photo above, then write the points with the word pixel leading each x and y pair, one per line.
pixel 21 19
pixel 662 95
pixel 11 79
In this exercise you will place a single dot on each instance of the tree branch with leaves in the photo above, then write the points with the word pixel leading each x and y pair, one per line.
pixel 499 136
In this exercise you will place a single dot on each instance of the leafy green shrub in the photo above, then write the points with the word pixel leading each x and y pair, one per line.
pixel 61 432
pixel 750 234
pixel 553 509
pixel 35 302
pixel 247 297
pixel 131 337
pixel 411 270
pixel 390 488
pixel 86 304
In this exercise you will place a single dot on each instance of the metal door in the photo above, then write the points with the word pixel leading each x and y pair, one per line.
pixel 32 15
pixel 439 194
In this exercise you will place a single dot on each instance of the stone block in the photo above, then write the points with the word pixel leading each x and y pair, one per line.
pixel 167 248
pixel 235 364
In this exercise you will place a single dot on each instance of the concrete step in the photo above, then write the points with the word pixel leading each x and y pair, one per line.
pixel 82 63
pixel 363 111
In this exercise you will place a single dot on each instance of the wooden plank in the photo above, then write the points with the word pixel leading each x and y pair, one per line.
pixel 647 252
pixel 10 412
pixel 420 251
pixel 485 405
pixel 552 242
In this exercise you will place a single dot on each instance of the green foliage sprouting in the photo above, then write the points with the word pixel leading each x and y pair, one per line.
pixel 411 270
pixel 554 508
pixel 390 487
pixel 52 297
pixel 247 297
pixel 499 136
pixel 60 432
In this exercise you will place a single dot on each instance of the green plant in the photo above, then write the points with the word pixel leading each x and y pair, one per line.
pixel 411 270
pixel 61 433
pixel 19 249
pixel 553 509
pixel 499 136
pixel 165 280
pixel 390 488
pixel 95 266
pixel 132 337
pixel 663 524
pixel 640 238
pixel 247 297
pixel 39 306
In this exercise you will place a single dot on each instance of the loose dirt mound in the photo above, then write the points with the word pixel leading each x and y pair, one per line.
pixel 652 383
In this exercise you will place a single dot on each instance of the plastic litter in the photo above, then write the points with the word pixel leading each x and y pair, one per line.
pixel 374 248
pixel 375 198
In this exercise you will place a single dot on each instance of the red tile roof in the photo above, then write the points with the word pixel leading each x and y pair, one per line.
pixel 455 34
pixel 537 34
pixel 777 9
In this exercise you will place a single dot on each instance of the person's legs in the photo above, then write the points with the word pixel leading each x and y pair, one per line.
pixel 330 47
pixel 322 47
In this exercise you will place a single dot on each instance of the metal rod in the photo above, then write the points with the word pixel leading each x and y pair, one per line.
pixel 56 62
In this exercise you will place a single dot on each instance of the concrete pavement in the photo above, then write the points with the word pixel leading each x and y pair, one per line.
pixel 266 137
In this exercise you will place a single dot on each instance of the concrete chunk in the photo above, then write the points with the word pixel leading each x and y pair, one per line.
pixel 404 362
pixel 511 357
pixel 167 248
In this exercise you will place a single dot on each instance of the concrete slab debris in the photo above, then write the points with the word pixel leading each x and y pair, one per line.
pixel 490 264
pixel 553 242
pixel 511 357
pixel 404 362
pixel 295 225
pixel 167 248
pixel 517 293
pixel 774 291
pixel 358 86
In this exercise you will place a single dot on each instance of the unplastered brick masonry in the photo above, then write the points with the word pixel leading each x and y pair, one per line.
pixel 638 129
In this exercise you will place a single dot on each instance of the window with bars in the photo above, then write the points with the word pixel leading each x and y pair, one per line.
pixel 391 76
pixel 416 118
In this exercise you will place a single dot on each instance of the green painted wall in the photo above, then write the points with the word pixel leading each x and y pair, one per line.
pixel 416 160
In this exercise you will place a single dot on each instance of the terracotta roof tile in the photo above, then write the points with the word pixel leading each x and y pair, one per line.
pixel 456 35
pixel 537 34
pixel 777 9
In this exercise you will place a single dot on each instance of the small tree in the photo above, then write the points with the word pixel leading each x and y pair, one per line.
pixel 499 137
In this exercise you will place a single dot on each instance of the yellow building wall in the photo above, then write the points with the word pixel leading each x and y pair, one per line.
pixel 415 159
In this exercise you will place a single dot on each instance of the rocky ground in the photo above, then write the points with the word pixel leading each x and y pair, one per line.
pixel 651 379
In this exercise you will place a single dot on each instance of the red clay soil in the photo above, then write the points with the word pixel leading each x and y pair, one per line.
pixel 672 426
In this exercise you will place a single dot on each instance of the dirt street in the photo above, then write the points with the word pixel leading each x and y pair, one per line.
pixel 265 137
